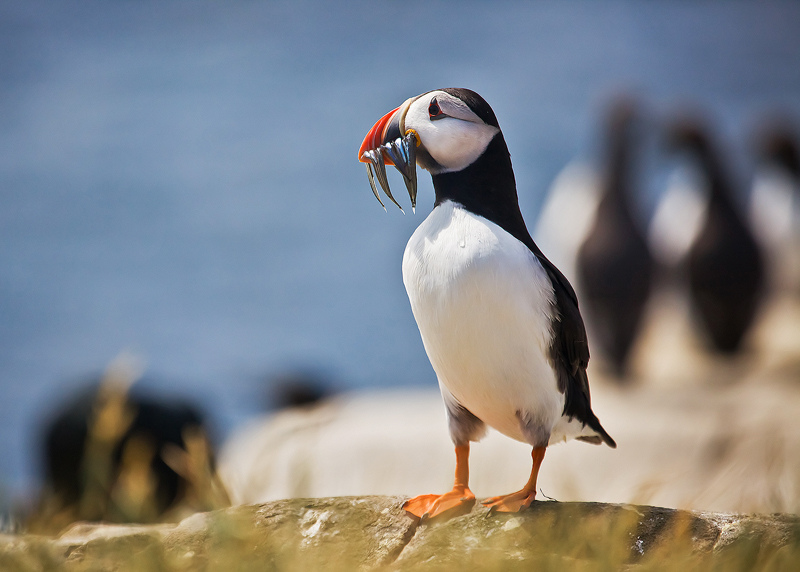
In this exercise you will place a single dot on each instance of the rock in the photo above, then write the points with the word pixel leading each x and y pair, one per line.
pixel 374 533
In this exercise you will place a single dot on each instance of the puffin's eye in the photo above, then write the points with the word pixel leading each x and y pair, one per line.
pixel 433 109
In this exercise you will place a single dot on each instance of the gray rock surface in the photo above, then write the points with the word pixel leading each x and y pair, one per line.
pixel 374 533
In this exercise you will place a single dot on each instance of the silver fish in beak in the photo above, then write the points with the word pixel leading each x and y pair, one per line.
pixel 387 143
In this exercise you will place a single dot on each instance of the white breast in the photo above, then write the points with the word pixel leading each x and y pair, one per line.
pixel 679 216
pixel 484 306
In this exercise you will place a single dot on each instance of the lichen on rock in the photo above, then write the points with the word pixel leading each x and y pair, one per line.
pixel 374 533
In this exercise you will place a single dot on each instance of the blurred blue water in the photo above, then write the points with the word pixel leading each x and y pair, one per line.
pixel 179 178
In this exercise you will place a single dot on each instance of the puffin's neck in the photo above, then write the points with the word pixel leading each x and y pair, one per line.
pixel 616 181
pixel 617 168
pixel 720 188
pixel 487 188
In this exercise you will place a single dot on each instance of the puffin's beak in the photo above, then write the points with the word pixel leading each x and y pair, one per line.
pixel 388 143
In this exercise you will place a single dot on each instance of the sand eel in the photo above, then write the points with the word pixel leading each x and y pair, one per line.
pixel 499 322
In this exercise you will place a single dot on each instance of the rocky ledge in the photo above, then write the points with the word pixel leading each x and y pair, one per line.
pixel 374 533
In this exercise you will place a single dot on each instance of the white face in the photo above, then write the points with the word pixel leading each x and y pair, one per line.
pixel 454 137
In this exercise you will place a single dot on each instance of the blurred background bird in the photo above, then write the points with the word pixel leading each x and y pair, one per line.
pixel 113 454
pixel 725 267
pixel 615 270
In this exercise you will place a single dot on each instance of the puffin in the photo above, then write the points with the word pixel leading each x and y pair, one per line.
pixel 615 269
pixel 725 265
pixel 499 322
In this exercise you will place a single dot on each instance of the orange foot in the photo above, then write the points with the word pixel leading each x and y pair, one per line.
pixel 429 506
pixel 514 502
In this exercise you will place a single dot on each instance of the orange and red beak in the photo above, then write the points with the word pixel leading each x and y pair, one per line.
pixel 375 136
pixel 388 143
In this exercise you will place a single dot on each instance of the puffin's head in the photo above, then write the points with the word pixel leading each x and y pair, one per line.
pixel 443 130
pixel 778 145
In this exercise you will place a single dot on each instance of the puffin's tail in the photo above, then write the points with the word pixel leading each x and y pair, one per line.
pixel 602 436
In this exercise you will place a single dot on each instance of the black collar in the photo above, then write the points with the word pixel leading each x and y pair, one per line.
pixel 487 188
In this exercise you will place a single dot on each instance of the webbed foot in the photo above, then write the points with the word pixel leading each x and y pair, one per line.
pixel 431 506
pixel 514 502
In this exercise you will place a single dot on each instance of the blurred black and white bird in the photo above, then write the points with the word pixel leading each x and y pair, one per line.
pixel 614 266
pixel 499 322
pixel 699 224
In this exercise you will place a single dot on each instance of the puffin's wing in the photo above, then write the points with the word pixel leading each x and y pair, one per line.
pixel 569 352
